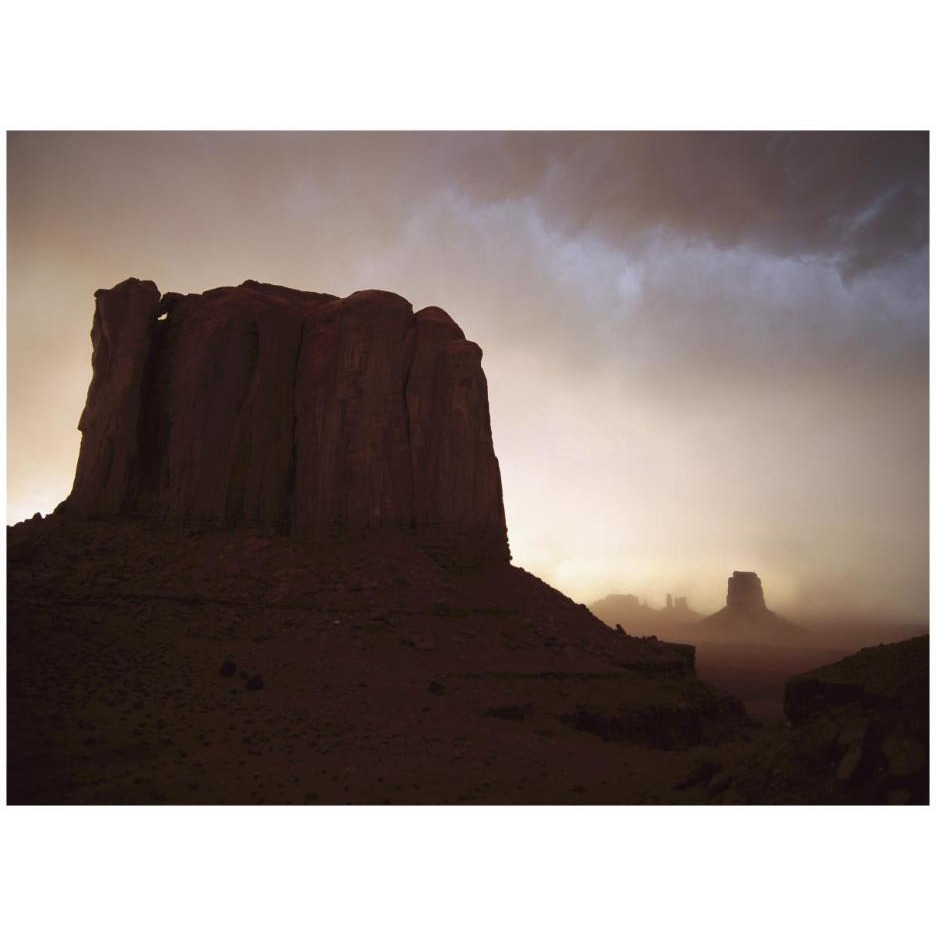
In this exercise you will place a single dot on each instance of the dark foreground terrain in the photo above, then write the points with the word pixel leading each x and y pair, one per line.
pixel 752 655
pixel 155 663
pixel 758 674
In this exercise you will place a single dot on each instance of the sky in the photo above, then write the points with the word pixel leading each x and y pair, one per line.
pixel 704 351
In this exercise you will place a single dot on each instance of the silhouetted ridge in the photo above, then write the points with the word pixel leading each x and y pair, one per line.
pixel 261 404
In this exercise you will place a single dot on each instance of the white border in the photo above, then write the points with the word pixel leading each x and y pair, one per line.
pixel 421 65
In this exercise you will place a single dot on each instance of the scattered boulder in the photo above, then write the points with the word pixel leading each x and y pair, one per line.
pixel 720 782
pixel 255 683
pixel 849 763
pixel 509 712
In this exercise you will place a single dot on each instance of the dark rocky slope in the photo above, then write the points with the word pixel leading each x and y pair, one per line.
pixel 386 676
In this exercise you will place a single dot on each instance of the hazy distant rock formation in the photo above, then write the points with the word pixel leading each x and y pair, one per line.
pixel 745 593
pixel 639 618
pixel 745 617
pixel 259 404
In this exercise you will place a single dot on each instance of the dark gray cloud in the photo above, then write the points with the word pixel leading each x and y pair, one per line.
pixel 858 200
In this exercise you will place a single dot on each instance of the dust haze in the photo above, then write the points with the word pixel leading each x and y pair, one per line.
pixel 706 352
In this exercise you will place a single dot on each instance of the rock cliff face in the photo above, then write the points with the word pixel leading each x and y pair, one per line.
pixel 300 411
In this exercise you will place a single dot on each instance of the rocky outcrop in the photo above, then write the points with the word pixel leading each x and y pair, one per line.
pixel 879 678
pixel 294 410
pixel 857 732
pixel 863 723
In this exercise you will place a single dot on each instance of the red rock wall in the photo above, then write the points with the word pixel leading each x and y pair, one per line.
pixel 261 404
pixel 352 435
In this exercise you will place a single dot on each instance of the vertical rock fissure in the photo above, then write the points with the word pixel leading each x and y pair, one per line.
pixel 241 445
pixel 290 520
pixel 151 429
pixel 414 332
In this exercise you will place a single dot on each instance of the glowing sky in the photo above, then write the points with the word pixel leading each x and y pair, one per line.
pixel 705 352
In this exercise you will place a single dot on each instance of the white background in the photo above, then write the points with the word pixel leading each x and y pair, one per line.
pixel 485 65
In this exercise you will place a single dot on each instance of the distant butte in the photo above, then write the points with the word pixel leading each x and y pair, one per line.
pixel 745 615
pixel 745 593
pixel 297 411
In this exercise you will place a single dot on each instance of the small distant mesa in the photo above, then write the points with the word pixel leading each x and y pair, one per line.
pixel 638 617
pixel 678 603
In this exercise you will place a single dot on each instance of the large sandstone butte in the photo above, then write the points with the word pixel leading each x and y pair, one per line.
pixel 299 411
